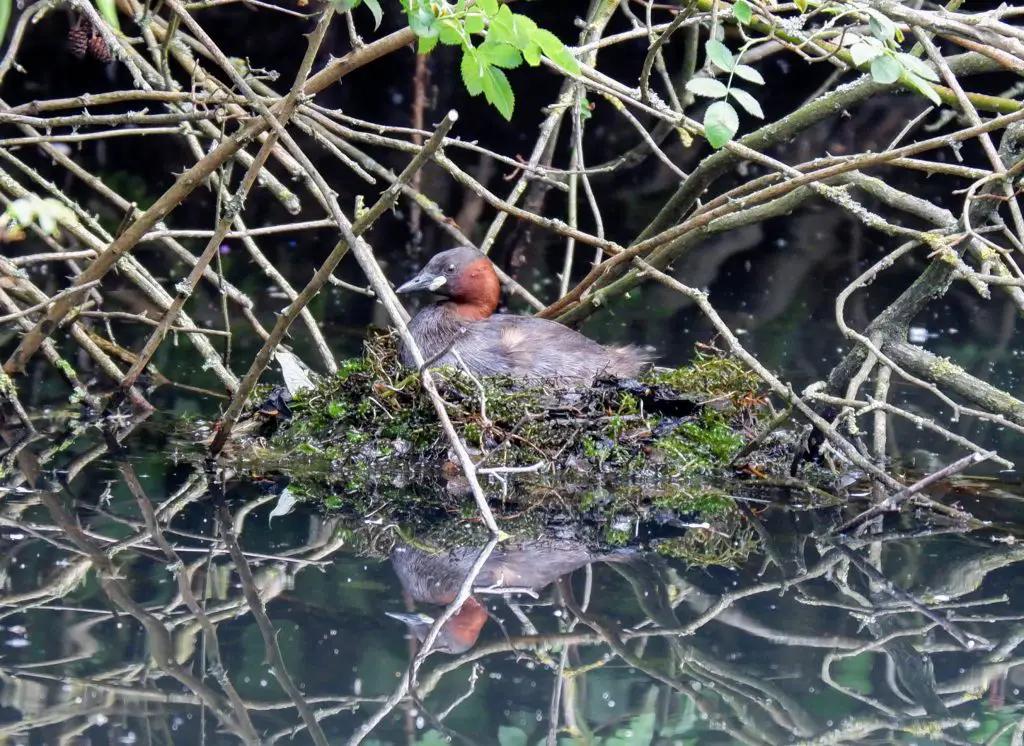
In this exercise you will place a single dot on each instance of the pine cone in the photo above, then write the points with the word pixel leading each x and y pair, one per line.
pixel 99 49
pixel 78 39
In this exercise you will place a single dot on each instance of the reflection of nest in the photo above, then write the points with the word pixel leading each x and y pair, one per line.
pixel 728 546
pixel 373 540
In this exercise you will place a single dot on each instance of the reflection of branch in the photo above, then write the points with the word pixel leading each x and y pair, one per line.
pixel 185 588
pixel 894 501
pixel 252 598
pixel 852 730
pixel 156 633
pixel 892 589
pixel 738 729
pixel 410 676
pixel 66 580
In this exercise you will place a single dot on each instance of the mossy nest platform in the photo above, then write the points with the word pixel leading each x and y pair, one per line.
pixel 373 421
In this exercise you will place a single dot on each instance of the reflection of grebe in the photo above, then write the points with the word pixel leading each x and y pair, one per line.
pixel 435 578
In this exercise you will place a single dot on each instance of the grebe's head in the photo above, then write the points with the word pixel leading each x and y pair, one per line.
pixel 465 276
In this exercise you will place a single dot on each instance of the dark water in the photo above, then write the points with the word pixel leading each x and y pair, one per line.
pixel 113 540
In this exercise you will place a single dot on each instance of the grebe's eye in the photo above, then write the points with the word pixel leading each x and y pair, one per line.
pixel 450 269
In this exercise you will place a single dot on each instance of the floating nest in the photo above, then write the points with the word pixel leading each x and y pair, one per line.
pixel 373 417
pixel 655 455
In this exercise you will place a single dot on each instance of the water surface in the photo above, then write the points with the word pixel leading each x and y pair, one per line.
pixel 109 551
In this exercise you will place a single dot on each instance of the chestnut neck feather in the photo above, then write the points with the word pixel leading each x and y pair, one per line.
pixel 476 291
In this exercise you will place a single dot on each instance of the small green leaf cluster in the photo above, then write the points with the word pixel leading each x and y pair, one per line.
pixel 373 5
pixel 721 121
pixel 887 63
pixel 507 39
pixel 49 214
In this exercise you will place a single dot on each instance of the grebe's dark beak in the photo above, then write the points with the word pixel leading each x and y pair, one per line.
pixel 423 281
pixel 419 624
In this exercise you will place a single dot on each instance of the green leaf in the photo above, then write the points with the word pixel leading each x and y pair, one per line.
pixel 743 12
pixel 498 91
pixel 707 87
pixel 423 22
pixel 450 34
pixel 374 6
pixel 747 101
pixel 923 87
pixel 108 9
pixel 556 51
pixel 345 5
pixel 885 69
pixel 500 28
pixel 500 54
pixel 523 28
pixel 489 7
pixel 472 70
pixel 881 26
pixel 475 23
pixel 500 34
pixel 913 65
pixel 721 122
pixel 748 73
pixel 5 17
pixel 720 55
pixel 427 43
pixel 862 52
pixel 532 54
pixel 801 5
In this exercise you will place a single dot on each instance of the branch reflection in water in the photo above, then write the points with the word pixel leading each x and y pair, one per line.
pixel 155 601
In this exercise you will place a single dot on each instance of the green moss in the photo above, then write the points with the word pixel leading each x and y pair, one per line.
pixel 371 425
pixel 617 537
pixel 66 368
pixel 700 446
pixel 629 404
pixel 713 375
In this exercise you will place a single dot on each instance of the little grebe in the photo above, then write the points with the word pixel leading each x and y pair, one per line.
pixel 518 346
